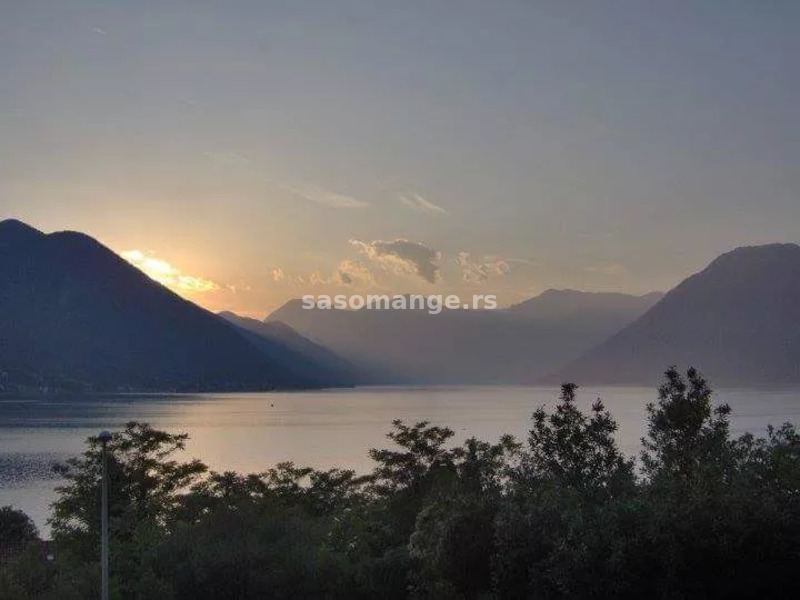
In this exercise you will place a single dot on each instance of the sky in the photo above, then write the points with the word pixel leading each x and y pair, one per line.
pixel 248 152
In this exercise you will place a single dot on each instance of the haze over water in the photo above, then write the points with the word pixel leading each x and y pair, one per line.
pixel 323 429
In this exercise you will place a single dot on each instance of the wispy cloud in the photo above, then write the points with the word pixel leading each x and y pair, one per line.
pixel 416 202
pixel 403 257
pixel 163 272
pixel 322 196
pixel 233 161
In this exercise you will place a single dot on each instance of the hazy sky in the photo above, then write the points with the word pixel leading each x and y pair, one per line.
pixel 248 152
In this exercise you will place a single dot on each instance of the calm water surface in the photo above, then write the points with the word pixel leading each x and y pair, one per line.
pixel 251 432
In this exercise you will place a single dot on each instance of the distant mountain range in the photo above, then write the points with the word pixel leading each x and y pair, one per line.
pixel 561 304
pixel 516 345
pixel 74 315
pixel 738 321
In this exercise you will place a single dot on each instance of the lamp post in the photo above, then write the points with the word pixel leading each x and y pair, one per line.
pixel 104 438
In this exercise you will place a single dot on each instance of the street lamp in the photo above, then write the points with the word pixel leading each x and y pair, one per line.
pixel 104 438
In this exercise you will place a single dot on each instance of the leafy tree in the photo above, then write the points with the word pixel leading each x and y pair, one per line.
pixel 453 539
pixel 146 485
pixel 422 459
pixel 576 451
pixel 685 432
pixel 404 478
pixel 722 514
pixel 22 574
pixel 252 550
pixel 146 489
pixel 569 477
pixel 16 530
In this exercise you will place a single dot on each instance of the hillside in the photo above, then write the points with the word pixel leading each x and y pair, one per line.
pixel 275 334
pixel 738 320
pixel 74 315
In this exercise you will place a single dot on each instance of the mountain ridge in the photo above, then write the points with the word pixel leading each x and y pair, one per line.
pixel 459 346
pixel 73 314
pixel 736 320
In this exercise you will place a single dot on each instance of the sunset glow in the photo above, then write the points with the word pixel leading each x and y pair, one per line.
pixel 246 154
pixel 166 274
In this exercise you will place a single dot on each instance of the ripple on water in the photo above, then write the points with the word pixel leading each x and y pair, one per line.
pixel 20 468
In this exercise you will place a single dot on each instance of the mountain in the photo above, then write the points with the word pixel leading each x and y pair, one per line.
pixel 516 345
pixel 738 321
pixel 555 304
pixel 13 232
pixel 74 315
pixel 280 335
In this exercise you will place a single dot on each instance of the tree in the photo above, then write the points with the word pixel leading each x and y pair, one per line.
pixel 146 490
pixel 549 531
pixel 453 539
pixel 16 530
pixel 574 450
pixel 684 431
pixel 724 517
pixel 146 485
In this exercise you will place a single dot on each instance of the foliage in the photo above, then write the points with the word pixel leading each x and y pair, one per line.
pixel 685 433
pixel 16 529
pixel 577 452
pixel 566 515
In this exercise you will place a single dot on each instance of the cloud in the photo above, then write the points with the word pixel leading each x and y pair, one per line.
pixel 324 197
pixel 347 272
pixel 403 257
pixel 416 202
pixel 479 272
pixel 161 271
pixel 350 272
